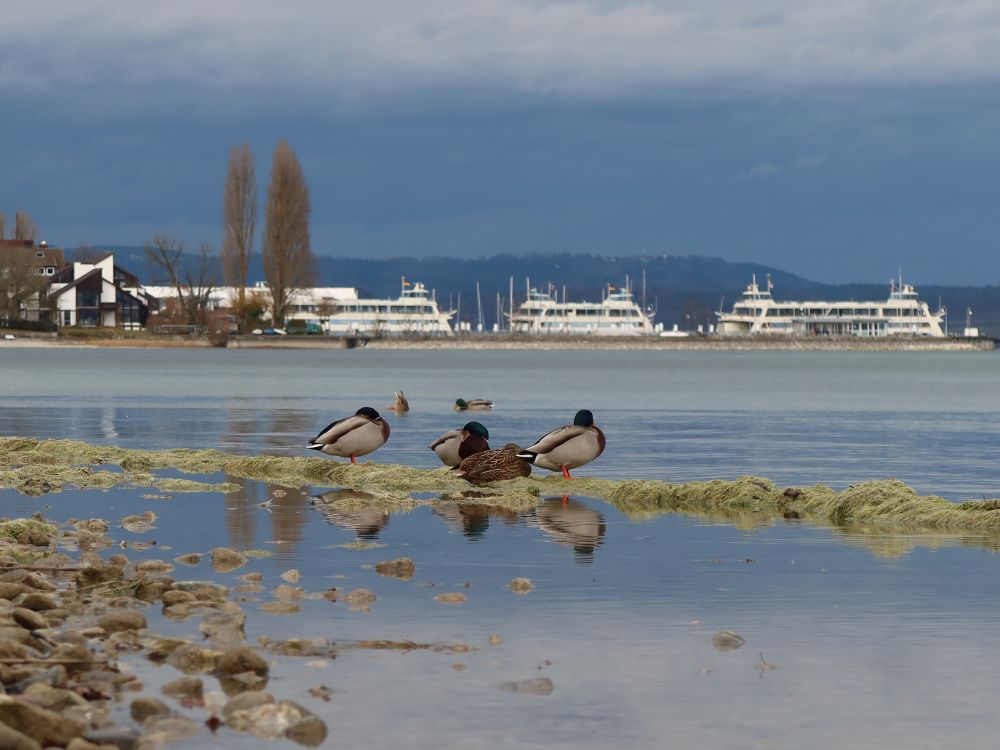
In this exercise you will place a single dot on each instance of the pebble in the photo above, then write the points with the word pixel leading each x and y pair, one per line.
pixel 521 585
pixel 114 622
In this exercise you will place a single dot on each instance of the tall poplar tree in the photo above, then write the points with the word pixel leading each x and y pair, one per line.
pixel 288 260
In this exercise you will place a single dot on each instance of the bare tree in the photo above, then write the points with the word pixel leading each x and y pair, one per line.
pixel 240 210
pixel 24 227
pixel 3 227
pixel 19 281
pixel 288 260
pixel 194 283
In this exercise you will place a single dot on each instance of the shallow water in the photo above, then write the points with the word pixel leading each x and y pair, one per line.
pixel 883 640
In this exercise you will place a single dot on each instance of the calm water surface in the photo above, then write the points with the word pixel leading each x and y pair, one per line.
pixel 883 640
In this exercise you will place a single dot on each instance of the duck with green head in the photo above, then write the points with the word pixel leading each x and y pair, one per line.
pixel 567 447
pixel 456 445
pixel 473 404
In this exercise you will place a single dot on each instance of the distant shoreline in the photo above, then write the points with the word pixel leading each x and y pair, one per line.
pixel 508 343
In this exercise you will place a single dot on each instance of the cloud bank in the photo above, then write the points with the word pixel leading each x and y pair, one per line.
pixel 603 48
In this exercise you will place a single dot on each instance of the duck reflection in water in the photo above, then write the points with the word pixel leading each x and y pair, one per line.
pixel 570 523
pixel 345 508
pixel 473 520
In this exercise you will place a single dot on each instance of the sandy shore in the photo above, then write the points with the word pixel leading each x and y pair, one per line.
pixel 693 343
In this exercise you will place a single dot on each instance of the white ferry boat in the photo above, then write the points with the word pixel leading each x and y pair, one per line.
pixel 616 314
pixel 902 314
pixel 414 312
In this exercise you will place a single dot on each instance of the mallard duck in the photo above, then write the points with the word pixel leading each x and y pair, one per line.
pixel 400 405
pixel 493 466
pixel 353 436
pixel 473 404
pixel 567 447
pixel 456 445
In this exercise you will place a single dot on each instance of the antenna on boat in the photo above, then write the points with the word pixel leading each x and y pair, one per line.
pixel 644 308
pixel 510 302
pixel 479 309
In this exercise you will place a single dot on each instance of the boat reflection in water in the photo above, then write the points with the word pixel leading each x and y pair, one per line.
pixel 570 523
pixel 365 522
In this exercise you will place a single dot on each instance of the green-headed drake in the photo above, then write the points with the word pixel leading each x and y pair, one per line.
pixel 353 436
pixel 456 445
pixel 567 447
pixel 473 404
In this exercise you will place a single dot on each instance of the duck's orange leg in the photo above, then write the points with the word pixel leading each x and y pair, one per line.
pixel 565 471
pixel 353 460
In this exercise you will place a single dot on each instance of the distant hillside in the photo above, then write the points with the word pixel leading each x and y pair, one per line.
pixel 684 289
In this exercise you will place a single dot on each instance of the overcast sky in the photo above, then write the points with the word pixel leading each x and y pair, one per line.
pixel 838 140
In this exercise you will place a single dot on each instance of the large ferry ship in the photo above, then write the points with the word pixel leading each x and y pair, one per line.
pixel 902 314
pixel 414 312
pixel 616 314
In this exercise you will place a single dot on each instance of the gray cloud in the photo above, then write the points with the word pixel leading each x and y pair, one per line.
pixel 372 50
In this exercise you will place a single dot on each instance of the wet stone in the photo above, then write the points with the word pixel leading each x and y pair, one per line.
pixel 292 576
pixel 143 708
pixel 535 686
pixel 246 701
pixel 52 698
pixel 184 687
pixel 114 622
pixel 10 590
pixel 521 585
pixel 450 598
pixel 174 596
pixel 11 739
pixel 42 725
pixel 402 568
pixel 225 560
pixel 123 738
pixel 28 619
pixel 191 558
pixel 159 730
pixel 359 598
pixel 39 602
pixel 190 659
pixel 280 608
pixel 242 659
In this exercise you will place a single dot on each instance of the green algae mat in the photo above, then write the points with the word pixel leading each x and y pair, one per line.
pixel 35 467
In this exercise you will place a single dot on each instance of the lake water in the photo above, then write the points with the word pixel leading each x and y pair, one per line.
pixel 883 640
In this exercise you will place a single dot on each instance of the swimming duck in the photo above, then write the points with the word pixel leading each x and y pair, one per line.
pixel 567 447
pixel 473 404
pixel 456 445
pixel 493 466
pixel 353 436
pixel 400 405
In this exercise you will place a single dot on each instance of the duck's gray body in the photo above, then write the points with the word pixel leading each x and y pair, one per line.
pixel 473 404
pixel 567 447
pixel 459 444
pixel 353 436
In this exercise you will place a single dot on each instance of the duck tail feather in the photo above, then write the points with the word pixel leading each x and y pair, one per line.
pixel 528 456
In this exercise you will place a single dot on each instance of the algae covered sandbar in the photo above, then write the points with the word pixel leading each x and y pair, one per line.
pixel 34 466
